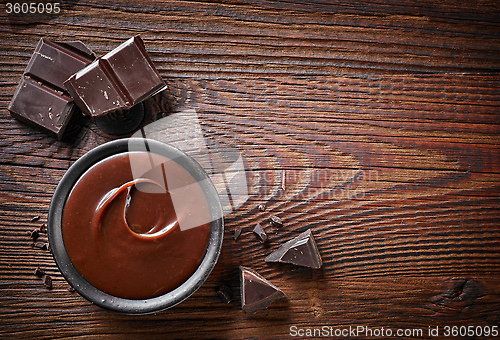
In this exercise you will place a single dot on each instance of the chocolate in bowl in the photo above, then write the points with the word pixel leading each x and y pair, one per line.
pixel 117 260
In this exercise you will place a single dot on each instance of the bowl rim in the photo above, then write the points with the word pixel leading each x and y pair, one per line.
pixel 86 289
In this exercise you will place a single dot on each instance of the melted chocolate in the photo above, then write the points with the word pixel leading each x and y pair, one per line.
pixel 125 235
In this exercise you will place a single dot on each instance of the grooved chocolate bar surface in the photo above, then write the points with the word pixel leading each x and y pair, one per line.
pixel 119 80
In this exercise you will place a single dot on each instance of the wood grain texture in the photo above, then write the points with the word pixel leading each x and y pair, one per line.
pixel 383 117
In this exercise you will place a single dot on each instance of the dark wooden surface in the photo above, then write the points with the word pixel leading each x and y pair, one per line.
pixel 384 117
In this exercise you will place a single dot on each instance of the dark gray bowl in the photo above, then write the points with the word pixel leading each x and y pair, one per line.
pixel 78 282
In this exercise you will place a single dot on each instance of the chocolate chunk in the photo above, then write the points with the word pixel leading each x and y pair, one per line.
pixel 256 292
pixel 53 63
pixel 276 221
pixel 262 207
pixel 40 99
pixel 40 106
pixel 36 218
pixel 300 251
pixel 237 233
pixel 39 272
pixel 261 234
pixel 225 294
pixel 47 281
pixel 117 81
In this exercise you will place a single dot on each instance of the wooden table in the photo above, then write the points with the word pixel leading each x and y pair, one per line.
pixel 383 117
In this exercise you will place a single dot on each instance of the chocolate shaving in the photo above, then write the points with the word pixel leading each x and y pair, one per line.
pixel 36 218
pixel 261 234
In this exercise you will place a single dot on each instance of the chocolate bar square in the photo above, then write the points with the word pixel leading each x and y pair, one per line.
pixel 117 81
pixel 40 99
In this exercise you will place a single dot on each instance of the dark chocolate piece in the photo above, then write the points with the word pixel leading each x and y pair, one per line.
pixel 47 281
pixel 39 272
pixel 262 207
pixel 117 81
pixel 276 221
pixel 40 106
pixel 256 292
pixel 300 251
pixel 225 294
pixel 36 218
pixel 53 63
pixel 39 99
pixel 260 233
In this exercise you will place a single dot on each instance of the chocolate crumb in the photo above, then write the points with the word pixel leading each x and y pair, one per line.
pixel 225 294
pixel 47 281
pixel 276 221
pixel 41 245
pixel 237 233
pixel 34 234
pixel 70 289
pixel 39 272
pixel 36 218
pixel 261 234
pixel 43 228
pixel 262 207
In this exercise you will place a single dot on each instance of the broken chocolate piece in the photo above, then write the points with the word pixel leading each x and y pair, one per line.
pixel 256 292
pixel 237 233
pixel 261 234
pixel 262 207
pixel 301 251
pixel 225 294
pixel 39 272
pixel 117 81
pixel 40 99
pixel 47 281
pixel 36 218
pixel 276 221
